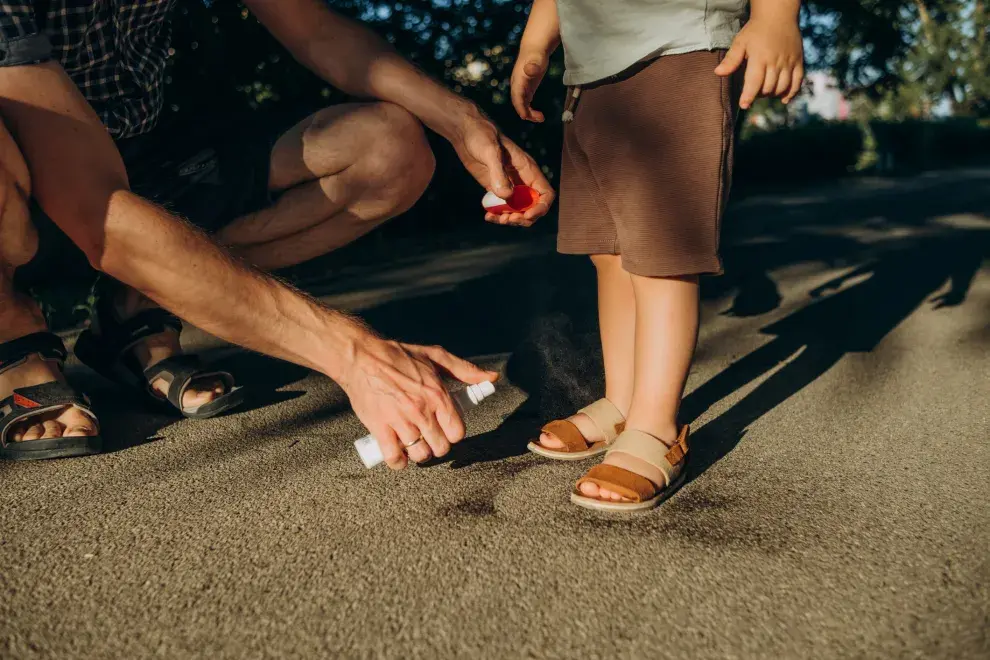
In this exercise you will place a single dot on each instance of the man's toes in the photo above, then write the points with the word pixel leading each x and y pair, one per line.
pixel 550 441
pixel 77 423
pixel 52 429
pixel 33 432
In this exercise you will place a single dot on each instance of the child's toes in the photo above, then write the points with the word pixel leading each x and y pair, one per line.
pixel 589 489
pixel 551 441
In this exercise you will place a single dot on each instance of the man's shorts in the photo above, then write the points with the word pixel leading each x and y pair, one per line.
pixel 209 171
pixel 647 166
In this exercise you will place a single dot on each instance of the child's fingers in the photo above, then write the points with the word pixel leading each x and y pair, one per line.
pixel 755 73
pixel 732 60
pixel 520 99
pixel 770 80
pixel 797 78
pixel 784 83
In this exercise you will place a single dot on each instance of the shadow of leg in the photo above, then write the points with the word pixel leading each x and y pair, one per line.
pixel 720 436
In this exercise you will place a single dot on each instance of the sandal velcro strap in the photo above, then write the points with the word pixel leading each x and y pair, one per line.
pixel 179 372
pixel 645 447
pixel 606 417
pixel 49 346
pixel 36 399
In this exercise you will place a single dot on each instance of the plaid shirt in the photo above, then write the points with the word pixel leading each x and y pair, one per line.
pixel 114 50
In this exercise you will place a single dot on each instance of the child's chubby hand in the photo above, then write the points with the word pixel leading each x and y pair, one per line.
pixel 771 46
pixel 527 75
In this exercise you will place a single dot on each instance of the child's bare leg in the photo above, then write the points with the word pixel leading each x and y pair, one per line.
pixel 666 334
pixel 617 318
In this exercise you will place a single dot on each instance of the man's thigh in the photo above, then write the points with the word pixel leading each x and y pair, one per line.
pixel 331 140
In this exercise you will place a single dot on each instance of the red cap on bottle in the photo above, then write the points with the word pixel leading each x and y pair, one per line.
pixel 523 199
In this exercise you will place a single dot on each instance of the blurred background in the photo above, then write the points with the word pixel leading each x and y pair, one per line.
pixel 894 87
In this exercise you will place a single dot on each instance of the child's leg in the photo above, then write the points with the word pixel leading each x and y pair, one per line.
pixel 617 318
pixel 666 333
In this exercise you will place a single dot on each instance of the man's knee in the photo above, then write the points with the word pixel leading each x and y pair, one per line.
pixel 399 160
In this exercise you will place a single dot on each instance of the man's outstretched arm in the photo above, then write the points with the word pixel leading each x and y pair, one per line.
pixel 79 180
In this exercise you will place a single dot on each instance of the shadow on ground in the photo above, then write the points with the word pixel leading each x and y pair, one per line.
pixel 900 247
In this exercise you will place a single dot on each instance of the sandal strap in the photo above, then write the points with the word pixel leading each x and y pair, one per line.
pixel 179 371
pixel 568 433
pixel 645 447
pixel 46 344
pixel 36 399
pixel 606 417
pixel 628 484
pixel 118 337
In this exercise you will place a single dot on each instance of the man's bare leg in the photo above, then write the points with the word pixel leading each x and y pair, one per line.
pixel 339 174
pixel 19 314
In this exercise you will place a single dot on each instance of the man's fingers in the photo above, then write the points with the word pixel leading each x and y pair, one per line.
pixel 459 368
pixel 797 78
pixel 497 178
pixel 732 60
pixel 392 450
pixel 419 451
pixel 434 435
pixel 753 84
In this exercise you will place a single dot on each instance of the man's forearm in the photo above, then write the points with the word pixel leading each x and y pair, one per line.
pixel 79 180
pixel 182 270
pixel 359 62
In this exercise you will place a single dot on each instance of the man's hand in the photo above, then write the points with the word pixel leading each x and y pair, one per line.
pixel 527 75
pixel 396 391
pixel 771 46
pixel 497 163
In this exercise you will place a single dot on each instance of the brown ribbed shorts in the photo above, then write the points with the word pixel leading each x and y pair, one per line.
pixel 647 166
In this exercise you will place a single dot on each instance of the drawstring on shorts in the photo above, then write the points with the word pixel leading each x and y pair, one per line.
pixel 570 105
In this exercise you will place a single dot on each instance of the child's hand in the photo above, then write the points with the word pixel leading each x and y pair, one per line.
pixel 774 54
pixel 527 75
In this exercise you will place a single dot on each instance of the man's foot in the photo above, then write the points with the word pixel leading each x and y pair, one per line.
pixel 156 348
pixel 66 422
pixel 668 437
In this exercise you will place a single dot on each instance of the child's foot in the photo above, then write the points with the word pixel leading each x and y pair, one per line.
pixel 655 457
pixel 586 433
pixel 589 431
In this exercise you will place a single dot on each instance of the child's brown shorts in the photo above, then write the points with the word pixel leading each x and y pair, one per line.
pixel 647 166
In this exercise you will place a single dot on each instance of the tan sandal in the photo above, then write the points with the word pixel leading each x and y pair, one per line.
pixel 602 414
pixel 642 491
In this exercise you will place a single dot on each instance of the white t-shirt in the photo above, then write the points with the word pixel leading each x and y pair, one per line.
pixel 604 37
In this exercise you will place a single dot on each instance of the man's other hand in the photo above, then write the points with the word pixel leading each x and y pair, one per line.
pixel 497 163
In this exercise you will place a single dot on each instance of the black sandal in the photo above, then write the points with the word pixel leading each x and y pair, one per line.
pixel 106 349
pixel 34 400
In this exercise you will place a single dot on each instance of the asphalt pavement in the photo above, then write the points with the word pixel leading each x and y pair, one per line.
pixel 837 505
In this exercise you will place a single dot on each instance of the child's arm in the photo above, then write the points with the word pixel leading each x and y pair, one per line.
pixel 771 46
pixel 540 39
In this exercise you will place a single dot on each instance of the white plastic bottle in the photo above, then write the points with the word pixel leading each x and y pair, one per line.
pixel 472 395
